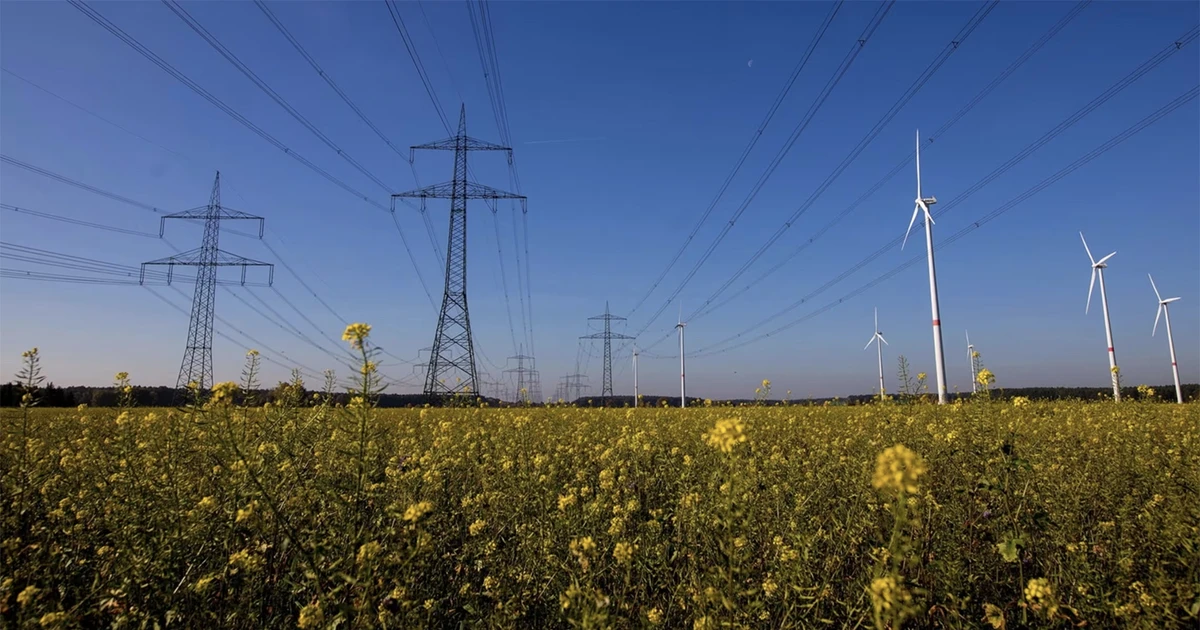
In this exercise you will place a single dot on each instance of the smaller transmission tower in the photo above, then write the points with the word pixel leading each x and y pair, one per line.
pixel 525 375
pixel 197 355
pixel 574 383
pixel 608 335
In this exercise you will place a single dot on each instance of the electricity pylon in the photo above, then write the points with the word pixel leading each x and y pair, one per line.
pixel 574 382
pixel 525 377
pixel 608 335
pixel 453 349
pixel 197 356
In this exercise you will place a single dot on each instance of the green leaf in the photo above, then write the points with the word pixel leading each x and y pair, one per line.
pixel 1010 549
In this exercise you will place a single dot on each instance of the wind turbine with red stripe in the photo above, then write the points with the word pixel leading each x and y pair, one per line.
pixel 1163 311
pixel 1098 270
pixel 923 203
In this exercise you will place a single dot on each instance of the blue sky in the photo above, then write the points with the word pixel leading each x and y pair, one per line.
pixel 625 118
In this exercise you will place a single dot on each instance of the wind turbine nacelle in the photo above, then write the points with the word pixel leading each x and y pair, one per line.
pixel 929 201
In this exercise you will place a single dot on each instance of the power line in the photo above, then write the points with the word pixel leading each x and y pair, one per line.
pixel 55 217
pixel 754 138
pixel 182 78
pixel 1151 63
pixel 841 71
pixel 1129 132
pixel 328 79
pixel 1017 63
pixel 905 97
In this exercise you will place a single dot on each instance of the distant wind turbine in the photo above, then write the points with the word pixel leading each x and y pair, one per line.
pixel 923 203
pixel 682 372
pixel 1166 313
pixel 876 339
pixel 1098 270
pixel 971 362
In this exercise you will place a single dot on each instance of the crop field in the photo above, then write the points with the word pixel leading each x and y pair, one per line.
pixel 312 514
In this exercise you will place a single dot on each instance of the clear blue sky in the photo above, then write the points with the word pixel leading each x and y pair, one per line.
pixel 625 118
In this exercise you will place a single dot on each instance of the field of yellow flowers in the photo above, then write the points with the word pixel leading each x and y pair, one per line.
pixel 1037 515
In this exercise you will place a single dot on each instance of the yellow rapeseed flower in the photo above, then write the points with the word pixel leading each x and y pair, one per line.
pixel 623 552
pixel 417 510
pixel 898 470
pixel 355 334
pixel 727 434
pixel 311 616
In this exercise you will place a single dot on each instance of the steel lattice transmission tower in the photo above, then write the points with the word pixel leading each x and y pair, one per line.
pixel 197 355
pixel 453 355
pixel 525 377
pixel 608 335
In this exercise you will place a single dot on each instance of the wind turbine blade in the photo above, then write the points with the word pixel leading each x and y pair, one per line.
pixel 1155 287
pixel 968 337
pixel 1090 287
pixel 870 342
pixel 1086 249
pixel 883 340
pixel 929 217
pixel 916 209
pixel 1156 316
pixel 876 319
pixel 1169 300
pixel 1101 261
pixel 918 164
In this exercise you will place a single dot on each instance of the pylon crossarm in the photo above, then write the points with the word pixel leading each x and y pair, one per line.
pixel 469 143
pixel 445 190
pixel 203 213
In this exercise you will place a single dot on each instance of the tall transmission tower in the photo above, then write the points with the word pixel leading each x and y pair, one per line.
pixel 453 354
pixel 608 335
pixel 525 376
pixel 197 364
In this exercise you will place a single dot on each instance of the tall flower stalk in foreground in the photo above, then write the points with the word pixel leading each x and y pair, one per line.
pixel 898 471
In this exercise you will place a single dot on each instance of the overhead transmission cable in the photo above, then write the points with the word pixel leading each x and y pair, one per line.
pixel 182 78
pixel 834 80
pixel 485 44
pixel 1128 133
pixel 905 97
pixel 1017 63
pixel 754 138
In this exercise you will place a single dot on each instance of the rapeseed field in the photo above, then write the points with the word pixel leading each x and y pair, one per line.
pixel 226 513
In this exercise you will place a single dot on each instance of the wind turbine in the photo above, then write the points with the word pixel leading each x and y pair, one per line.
pixel 1098 270
pixel 971 362
pixel 923 203
pixel 876 339
pixel 1162 310
pixel 635 378
pixel 682 378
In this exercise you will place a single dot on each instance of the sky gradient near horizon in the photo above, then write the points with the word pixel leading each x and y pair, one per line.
pixel 625 119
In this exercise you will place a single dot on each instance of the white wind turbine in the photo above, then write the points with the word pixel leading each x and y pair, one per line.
pixel 682 373
pixel 923 203
pixel 1163 311
pixel 1098 270
pixel 971 362
pixel 876 339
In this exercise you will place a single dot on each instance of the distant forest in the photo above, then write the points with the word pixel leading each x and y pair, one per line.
pixel 73 396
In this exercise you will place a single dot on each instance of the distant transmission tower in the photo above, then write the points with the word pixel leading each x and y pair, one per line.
pixel 525 377
pixel 453 353
pixel 574 383
pixel 197 356
pixel 608 335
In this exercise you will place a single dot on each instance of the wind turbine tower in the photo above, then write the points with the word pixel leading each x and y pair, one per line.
pixel 878 340
pixel 973 363
pixel 1098 270
pixel 1166 313
pixel 922 204
pixel 682 372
